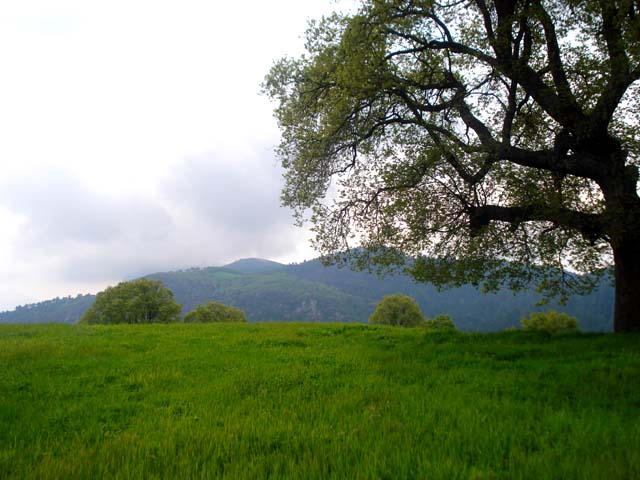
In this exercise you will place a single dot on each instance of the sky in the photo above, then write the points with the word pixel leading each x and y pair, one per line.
pixel 134 139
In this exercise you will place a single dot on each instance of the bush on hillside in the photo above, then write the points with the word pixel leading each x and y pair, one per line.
pixel 551 322
pixel 215 312
pixel 137 301
pixel 398 310
pixel 441 322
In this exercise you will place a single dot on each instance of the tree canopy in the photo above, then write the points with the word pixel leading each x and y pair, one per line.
pixel 137 301
pixel 398 310
pixel 492 142
pixel 215 312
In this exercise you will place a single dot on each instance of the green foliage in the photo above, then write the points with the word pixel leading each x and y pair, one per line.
pixel 473 136
pixel 313 401
pixel 398 310
pixel 137 301
pixel 551 322
pixel 215 312
pixel 440 322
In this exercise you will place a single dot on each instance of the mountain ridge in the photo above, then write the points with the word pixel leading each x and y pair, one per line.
pixel 307 291
pixel 254 265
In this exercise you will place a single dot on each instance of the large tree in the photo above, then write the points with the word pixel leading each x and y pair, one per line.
pixel 137 301
pixel 493 141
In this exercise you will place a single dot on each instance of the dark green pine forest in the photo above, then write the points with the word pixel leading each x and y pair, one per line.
pixel 269 291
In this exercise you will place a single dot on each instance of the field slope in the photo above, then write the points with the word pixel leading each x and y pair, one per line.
pixel 315 401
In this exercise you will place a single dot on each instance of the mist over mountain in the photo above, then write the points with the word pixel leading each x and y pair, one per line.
pixel 270 291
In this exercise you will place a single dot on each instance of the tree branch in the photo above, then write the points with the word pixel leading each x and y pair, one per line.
pixel 510 113
pixel 555 61
pixel 589 224
pixel 486 17
pixel 550 160
pixel 530 80
pixel 620 74
pixel 474 123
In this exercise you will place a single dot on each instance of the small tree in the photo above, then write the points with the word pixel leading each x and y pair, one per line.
pixel 551 322
pixel 138 301
pixel 440 322
pixel 215 312
pixel 398 310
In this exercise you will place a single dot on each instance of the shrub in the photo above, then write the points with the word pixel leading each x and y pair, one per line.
pixel 138 301
pixel 215 312
pixel 440 322
pixel 551 322
pixel 399 310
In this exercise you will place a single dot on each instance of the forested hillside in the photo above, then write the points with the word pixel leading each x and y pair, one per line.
pixel 265 297
pixel 269 291
pixel 57 310
pixel 471 309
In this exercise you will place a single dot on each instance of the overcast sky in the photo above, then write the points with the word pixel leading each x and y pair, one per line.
pixel 134 139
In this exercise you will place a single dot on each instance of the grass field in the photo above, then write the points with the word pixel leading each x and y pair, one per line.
pixel 315 401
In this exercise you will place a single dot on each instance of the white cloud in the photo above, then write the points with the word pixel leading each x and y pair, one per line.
pixel 107 108
pixel 211 209
pixel 59 210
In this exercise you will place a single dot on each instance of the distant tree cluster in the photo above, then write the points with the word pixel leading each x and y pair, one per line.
pixel 440 322
pixel 215 312
pixel 138 301
pixel 550 322
pixel 148 301
pixel 403 311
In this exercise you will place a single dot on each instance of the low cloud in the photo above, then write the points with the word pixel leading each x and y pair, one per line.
pixel 208 210
pixel 237 193
pixel 229 202
pixel 59 210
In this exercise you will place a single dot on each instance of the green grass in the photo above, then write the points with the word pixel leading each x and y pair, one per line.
pixel 315 401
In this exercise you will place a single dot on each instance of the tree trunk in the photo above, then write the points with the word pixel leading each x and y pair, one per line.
pixel 626 316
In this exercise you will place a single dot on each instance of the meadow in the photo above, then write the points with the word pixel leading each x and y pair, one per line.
pixel 292 400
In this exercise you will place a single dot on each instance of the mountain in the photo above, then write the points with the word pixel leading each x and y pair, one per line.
pixel 470 309
pixel 265 297
pixel 58 310
pixel 270 291
pixel 255 265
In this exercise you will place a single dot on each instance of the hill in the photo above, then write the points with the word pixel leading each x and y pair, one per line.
pixel 270 291
pixel 255 265
pixel 57 310
pixel 265 297
pixel 471 309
